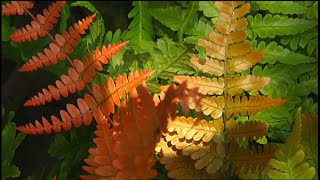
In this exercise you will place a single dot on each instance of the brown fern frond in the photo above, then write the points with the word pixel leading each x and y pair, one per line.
pixel 207 155
pixel 205 85
pixel 77 77
pixel 103 154
pixel 41 25
pixel 251 106
pixel 249 130
pixel 16 7
pixel 58 50
pixel 245 160
pixel 102 103
pixel 190 128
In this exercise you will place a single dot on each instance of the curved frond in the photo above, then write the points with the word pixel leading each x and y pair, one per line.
pixel 190 128
pixel 40 27
pixel 77 77
pixel 16 7
pixel 58 50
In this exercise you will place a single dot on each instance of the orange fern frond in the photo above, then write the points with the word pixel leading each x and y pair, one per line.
pixel 102 103
pixel 16 7
pixel 77 77
pixel 41 26
pixel 103 154
pixel 58 50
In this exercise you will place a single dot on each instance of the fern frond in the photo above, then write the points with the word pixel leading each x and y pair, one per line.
pixel 140 29
pixel 249 130
pixel 250 106
pixel 206 155
pixel 271 26
pixel 211 66
pixel 77 77
pixel 103 154
pixel 179 166
pixel 289 159
pixel 16 7
pixel 58 50
pixel 190 128
pixel 41 26
pixel 210 105
pixel 102 103
pixel 205 85
pixel 275 52
pixel 289 7
pixel 309 138
pixel 237 85
pixel 246 160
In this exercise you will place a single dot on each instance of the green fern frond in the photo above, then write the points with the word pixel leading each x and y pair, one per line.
pixel 140 29
pixel 271 26
pixel 176 18
pixel 199 31
pixel 274 52
pixel 284 7
pixel 289 159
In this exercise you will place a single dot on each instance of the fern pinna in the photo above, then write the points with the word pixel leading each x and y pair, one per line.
pixel 211 145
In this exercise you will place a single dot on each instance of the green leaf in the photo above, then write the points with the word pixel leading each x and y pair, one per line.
pixel 200 31
pixel 176 18
pixel 5 28
pixel 274 52
pixel 65 14
pixel 9 144
pixel 272 26
pixel 284 7
pixel 140 31
pixel 85 4
pixel 208 8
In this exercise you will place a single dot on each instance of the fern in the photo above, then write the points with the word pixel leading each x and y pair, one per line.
pixel 288 7
pixel 177 19
pixel 289 158
pixel 226 53
pixel 140 29
pixel 272 26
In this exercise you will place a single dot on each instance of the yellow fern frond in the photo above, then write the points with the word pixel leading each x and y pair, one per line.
pixel 247 83
pixel 211 66
pixel 205 85
pixel 250 106
pixel 210 105
pixel 190 128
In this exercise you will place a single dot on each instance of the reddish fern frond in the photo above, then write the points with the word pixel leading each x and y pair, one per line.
pixel 41 26
pixel 77 77
pixel 100 104
pixel 103 154
pixel 58 50
pixel 16 7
